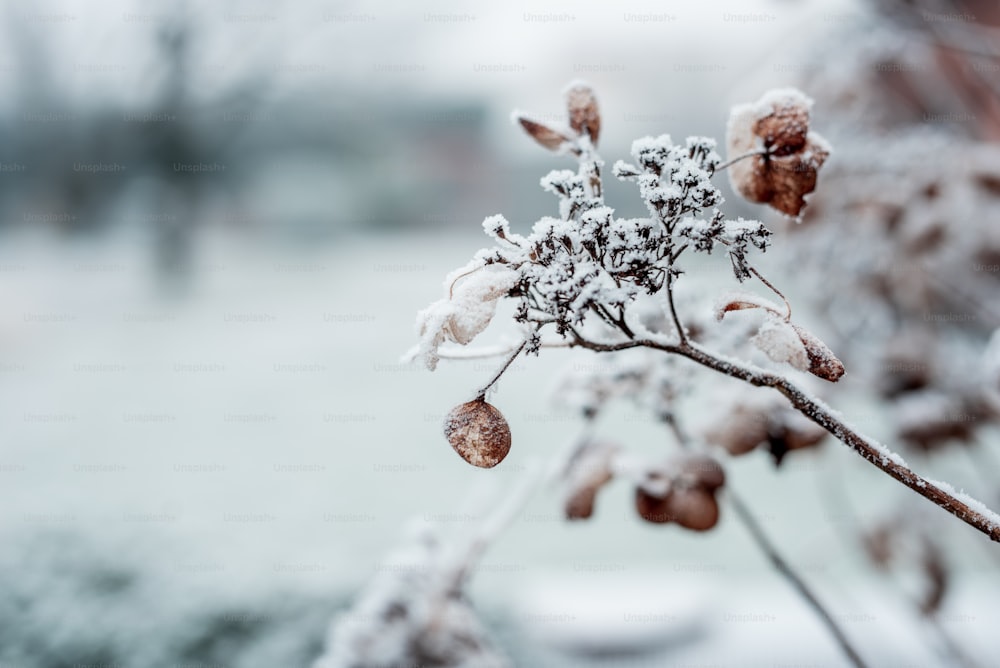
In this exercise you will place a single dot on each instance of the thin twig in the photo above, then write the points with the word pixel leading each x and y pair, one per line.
pixel 681 334
pixel 506 365
pixel 783 567
pixel 890 463
pixel 732 161
pixel 788 307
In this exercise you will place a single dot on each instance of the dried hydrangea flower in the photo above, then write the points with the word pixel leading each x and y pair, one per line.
pixel 788 157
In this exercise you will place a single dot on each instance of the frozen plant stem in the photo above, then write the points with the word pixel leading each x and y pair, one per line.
pixel 733 161
pixel 812 409
pixel 506 365
pixel 785 569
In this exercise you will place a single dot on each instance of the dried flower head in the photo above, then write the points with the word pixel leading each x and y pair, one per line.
pixel 748 425
pixel 741 430
pixel 687 498
pixel 478 432
pixel 788 157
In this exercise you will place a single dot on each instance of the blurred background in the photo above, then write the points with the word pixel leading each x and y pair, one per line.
pixel 217 223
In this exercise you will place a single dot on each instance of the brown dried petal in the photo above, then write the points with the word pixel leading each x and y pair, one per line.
pixel 584 116
pixel 784 131
pixel 822 362
pixel 779 125
pixel 548 137
pixel 478 432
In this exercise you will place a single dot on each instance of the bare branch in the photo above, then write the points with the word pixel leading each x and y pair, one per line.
pixel 983 520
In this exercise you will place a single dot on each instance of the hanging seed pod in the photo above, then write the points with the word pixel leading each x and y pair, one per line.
pixel 689 498
pixel 652 508
pixel 705 472
pixel 694 509
pixel 478 432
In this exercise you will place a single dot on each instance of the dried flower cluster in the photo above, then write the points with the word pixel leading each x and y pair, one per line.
pixel 683 491
pixel 590 279
pixel 748 425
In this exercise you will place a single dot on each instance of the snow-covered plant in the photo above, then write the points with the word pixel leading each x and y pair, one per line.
pixel 585 275
pixel 592 280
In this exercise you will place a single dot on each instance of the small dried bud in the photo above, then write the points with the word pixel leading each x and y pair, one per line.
pixel 548 137
pixel 785 342
pixel 478 432
pixel 584 116
pixel 822 361
pixel 786 170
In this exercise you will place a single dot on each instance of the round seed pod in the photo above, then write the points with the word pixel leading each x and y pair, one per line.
pixel 694 508
pixel 706 471
pixel 652 508
pixel 478 432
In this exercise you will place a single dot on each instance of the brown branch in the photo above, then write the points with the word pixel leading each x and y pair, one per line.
pixel 821 415
pixel 681 334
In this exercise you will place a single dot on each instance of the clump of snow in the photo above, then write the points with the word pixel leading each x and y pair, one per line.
pixel 779 341
pixel 470 303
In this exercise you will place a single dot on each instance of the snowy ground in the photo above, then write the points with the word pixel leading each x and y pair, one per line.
pixel 207 477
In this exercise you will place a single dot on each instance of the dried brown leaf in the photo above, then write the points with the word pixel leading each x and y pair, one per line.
pixel 548 137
